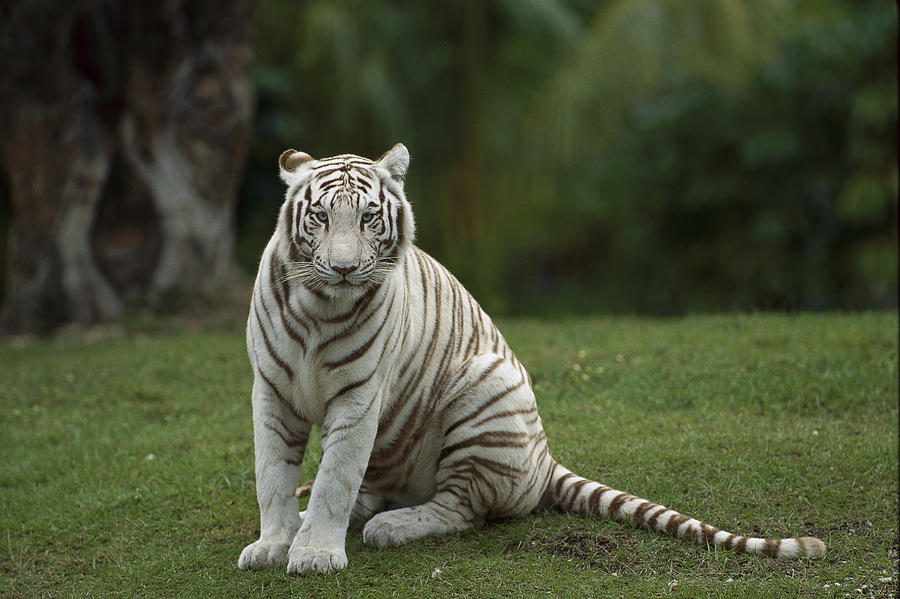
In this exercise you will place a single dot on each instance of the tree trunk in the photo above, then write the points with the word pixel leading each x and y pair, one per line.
pixel 125 129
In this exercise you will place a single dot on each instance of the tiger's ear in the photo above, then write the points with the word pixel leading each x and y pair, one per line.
pixel 395 161
pixel 289 162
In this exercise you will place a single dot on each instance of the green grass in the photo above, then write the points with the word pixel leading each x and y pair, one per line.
pixel 127 465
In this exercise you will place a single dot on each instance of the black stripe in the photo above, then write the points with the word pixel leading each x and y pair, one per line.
pixel 358 307
pixel 508 413
pixel 481 407
pixel 350 387
pixel 275 357
pixel 489 439
pixel 285 404
pixel 290 443
pixel 357 353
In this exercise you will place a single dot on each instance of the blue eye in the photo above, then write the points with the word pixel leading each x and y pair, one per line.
pixel 367 217
pixel 322 216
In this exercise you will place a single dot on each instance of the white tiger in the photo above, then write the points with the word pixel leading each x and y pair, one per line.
pixel 429 422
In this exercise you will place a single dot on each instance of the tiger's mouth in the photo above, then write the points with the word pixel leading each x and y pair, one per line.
pixel 359 279
pixel 348 283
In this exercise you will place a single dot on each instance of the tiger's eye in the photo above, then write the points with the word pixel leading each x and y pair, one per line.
pixel 367 217
pixel 322 216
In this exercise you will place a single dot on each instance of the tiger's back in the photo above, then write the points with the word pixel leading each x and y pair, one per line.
pixel 429 423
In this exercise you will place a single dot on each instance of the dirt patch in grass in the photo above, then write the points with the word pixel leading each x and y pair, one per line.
pixel 583 549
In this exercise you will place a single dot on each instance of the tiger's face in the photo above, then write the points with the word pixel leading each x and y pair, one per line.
pixel 346 219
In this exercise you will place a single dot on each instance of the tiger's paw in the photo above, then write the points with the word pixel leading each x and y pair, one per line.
pixel 306 560
pixel 384 530
pixel 263 554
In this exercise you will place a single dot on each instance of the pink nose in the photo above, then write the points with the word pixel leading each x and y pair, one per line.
pixel 343 268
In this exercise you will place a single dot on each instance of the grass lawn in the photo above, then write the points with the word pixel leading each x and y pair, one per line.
pixel 127 464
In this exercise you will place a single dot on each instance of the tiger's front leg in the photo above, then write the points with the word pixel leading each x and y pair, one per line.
pixel 279 439
pixel 348 435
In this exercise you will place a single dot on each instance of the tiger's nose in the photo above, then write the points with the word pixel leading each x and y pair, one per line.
pixel 344 269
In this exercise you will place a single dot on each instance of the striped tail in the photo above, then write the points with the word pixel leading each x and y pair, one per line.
pixel 569 492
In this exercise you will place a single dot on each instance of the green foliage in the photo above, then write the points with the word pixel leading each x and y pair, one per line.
pixel 780 196
pixel 128 465
pixel 632 156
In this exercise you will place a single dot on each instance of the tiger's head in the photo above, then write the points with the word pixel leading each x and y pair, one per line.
pixel 346 220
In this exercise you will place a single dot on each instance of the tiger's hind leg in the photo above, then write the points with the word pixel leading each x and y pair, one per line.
pixel 368 503
pixel 444 513
pixel 493 460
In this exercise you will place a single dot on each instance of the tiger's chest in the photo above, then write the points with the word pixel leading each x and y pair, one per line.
pixel 305 389
pixel 332 354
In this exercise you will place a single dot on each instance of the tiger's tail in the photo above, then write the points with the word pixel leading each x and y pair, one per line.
pixel 572 493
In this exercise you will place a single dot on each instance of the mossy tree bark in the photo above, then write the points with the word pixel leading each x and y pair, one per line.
pixel 125 130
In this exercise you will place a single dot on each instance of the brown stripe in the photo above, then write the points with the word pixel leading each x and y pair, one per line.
pixel 496 467
pixel 356 326
pixel 690 533
pixel 426 358
pixel 674 522
pixel 292 333
pixel 474 338
pixel 291 443
pixel 446 355
pixel 357 353
pixel 594 501
pixel 282 308
pixel 489 439
pixel 507 413
pixel 638 515
pixel 283 438
pixel 358 307
pixel 401 217
pixel 322 173
pixel 285 325
pixel 264 305
pixel 273 281
pixel 281 399
pixel 575 489
pixel 480 408
pixel 298 212
pixel 285 295
pixel 771 546
pixel 388 216
pixel 562 480
pixel 709 532
pixel 651 523
pixel 464 392
pixel 801 545
pixel 616 504
pixel 741 545
pixel 362 183
pixel 275 357
pixel 348 388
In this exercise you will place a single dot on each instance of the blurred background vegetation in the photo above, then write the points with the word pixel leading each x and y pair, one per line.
pixel 618 156
pixel 621 156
